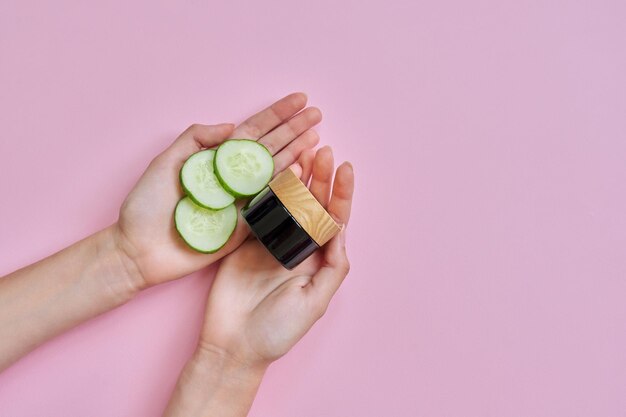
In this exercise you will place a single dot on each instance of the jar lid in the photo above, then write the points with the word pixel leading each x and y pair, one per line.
pixel 304 207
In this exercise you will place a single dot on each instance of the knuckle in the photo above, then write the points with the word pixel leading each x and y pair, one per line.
pixel 268 146
pixel 193 127
pixel 157 161
pixel 292 128
pixel 313 135
pixel 253 130
pixel 290 155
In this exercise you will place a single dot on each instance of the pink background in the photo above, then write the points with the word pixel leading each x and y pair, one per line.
pixel 488 238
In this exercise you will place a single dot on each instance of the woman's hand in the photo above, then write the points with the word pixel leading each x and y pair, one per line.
pixel 257 310
pixel 145 231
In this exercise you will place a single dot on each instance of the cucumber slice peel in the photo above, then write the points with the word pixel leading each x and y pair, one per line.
pixel 243 166
pixel 200 183
pixel 202 229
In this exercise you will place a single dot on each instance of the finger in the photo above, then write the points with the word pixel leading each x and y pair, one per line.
pixel 341 198
pixel 287 132
pixel 302 168
pixel 291 153
pixel 325 283
pixel 306 162
pixel 259 124
pixel 296 168
pixel 197 137
pixel 322 175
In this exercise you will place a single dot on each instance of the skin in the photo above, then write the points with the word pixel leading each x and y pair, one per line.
pixel 146 226
pixel 256 310
pixel 142 248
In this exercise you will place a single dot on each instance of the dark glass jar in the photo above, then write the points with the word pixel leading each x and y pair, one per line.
pixel 278 230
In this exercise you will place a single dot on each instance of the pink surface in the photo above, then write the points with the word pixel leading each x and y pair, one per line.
pixel 488 238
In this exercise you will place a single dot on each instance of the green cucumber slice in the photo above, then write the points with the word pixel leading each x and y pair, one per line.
pixel 204 230
pixel 243 166
pixel 201 184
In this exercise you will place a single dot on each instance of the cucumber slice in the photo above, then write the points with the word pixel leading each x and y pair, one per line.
pixel 201 184
pixel 243 166
pixel 203 229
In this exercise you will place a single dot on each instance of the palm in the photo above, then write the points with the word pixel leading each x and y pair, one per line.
pixel 259 303
pixel 257 310
pixel 146 217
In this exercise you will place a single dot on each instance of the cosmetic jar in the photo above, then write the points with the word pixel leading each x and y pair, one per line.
pixel 288 220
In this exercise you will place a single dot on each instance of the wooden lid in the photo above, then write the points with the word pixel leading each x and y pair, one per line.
pixel 304 207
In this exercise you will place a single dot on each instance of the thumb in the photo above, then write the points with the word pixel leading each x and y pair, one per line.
pixel 197 137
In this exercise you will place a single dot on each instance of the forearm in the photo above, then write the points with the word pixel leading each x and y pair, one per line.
pixel 212 384
pixel 44 299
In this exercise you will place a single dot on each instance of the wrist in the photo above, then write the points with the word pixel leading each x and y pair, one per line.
pixel 213 383
pixel 123 277
pixel 230 367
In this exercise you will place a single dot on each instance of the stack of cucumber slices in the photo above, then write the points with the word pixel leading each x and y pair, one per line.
pixel 213 179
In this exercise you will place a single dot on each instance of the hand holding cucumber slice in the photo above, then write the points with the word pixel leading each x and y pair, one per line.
pixel 203 229
pixel 212 179
pixel 243 166
pixel 200 183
